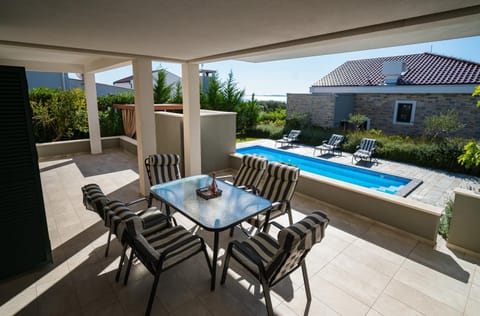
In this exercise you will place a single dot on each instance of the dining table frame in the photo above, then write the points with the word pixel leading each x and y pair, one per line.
pixel 231 208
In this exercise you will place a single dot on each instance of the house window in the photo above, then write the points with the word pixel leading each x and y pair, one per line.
pixel 404 112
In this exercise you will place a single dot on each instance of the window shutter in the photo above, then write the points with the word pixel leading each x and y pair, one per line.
pixel 23 225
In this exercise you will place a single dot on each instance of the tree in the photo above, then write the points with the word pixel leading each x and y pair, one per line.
pixel 232 95
pixel 442 125
pixel 177 97
pixel 247 115
pixel 213 98
pixel 471 154
pixel 161 91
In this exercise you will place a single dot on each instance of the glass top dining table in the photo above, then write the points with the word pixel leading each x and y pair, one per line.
pixel 217 214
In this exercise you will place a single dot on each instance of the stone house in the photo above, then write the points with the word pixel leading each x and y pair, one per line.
pixel 396 93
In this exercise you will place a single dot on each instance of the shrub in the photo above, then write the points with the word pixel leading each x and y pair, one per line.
pixel 276 117
pixel 445 219
pixel 111 123
pixel 266 131
pixel 62 114
pixel 442 125
pixel 357 120
pixel 298 121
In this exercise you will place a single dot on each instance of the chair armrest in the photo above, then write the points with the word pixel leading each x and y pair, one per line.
pixel 278 225
pixel 324 142
pixel 136 201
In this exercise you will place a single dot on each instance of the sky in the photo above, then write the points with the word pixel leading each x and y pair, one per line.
pixel 297 75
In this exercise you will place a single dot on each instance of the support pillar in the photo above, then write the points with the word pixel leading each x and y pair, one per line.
pixel 144 117
pixel 92 112
pixel 191 119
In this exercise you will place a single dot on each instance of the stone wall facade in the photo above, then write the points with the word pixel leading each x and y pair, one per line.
pixel 320 107
pixel 380 109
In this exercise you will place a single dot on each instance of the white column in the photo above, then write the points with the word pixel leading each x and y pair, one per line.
pixel 144 117
pixel 92 112
pixel 191 119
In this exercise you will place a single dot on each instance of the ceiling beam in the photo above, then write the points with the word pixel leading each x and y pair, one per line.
pixel 34 65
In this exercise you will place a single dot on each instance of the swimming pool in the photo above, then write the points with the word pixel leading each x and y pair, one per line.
pixel 382 182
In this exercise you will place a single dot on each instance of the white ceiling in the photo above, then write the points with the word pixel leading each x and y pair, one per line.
pixel 91 35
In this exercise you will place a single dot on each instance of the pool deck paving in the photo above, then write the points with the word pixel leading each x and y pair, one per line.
pixel 437 187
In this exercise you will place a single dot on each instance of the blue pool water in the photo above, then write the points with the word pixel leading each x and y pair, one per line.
pixel 366 178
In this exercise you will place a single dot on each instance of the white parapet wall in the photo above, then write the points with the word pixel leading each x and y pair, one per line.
pixel 464 232
pixel 413 217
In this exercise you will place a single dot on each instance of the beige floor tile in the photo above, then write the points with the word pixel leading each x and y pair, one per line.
pixel 444 260
pixel 387 305
pixel 378 258
pixel 58 298
pixel 336 298
pixel 104 308
pixel 472 308
pixel 354 278
pixel 418 300
pixel 475 292
pixel 438 277
pixel 436 286
pixel 299 305
pixel 373 312
pixel 21 303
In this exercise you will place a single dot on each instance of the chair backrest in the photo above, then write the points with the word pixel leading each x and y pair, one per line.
pixel 251 171
pixel 162 168
pixel 94 199
pixel 294 133
pixel 295 242
pixel 368 144
pixel 335 140
pixel 280 183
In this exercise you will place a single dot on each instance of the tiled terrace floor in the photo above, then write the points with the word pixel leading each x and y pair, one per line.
pixel 360 268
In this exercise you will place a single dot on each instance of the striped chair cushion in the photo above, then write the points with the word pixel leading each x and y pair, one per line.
pixel 280 183
pixel 94 199
pixel 295 241
pixel 251 171
pixel 262 246
pixel 144 221
pixel 368 144
pixel 335 140
pixel 172 245
pixel 305 233
pixel 162 168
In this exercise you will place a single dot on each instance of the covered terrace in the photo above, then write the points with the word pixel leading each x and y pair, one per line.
pixel 91 36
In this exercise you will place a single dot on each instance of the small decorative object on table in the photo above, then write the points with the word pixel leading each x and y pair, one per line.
pixel 211 191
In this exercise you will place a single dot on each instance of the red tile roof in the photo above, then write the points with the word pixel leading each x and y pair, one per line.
pixel 422 69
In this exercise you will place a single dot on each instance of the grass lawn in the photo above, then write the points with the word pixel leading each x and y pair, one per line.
pixel 245 139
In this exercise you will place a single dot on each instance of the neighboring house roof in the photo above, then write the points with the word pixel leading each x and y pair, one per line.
pixel 422 69
pixel 170 78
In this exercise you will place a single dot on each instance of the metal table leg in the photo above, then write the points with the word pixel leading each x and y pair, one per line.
pixel 214 260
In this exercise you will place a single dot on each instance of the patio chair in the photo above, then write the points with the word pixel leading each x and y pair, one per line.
pixel 289 139
pixel 160 250
pixel 162 168
pixel 365 150
pixel 111 211
pixel 278 187
pixel 331 145
pixel 250 172
pixel 270 260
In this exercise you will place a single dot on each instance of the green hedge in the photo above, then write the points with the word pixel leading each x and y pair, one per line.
pixel 62 114
pixel 418 151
